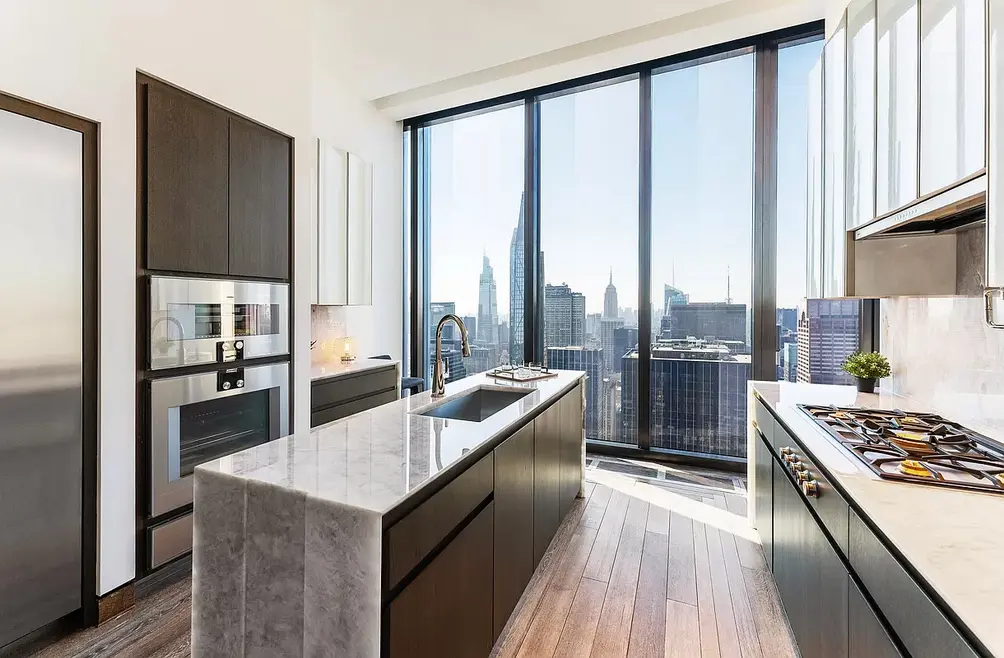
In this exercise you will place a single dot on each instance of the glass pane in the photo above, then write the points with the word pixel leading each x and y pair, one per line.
pixel 795 67
pixel 256 319
pixel 222 426
pixel 589 239
pixel 473 193
pixel 702 220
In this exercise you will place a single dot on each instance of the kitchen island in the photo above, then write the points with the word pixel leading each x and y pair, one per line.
pixel 388 533
pixel 896 568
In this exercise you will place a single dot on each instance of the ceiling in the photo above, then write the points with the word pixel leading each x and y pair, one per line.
pixel 412 56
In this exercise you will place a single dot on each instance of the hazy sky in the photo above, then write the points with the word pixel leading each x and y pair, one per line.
pixel 702 172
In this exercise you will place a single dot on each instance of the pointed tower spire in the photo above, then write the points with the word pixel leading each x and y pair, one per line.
pixel 728 284
pixel 611 276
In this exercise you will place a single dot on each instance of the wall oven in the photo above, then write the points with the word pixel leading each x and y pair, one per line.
pixel 195 321
pixel 200 417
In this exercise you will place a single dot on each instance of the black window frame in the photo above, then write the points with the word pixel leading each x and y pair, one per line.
pixel 765 50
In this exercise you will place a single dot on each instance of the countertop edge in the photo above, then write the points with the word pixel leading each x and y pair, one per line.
pixel 357 370
pixel 856 506
pixel 402 507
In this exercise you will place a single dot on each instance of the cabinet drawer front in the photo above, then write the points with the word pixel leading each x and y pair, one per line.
pixel 412 538
pixel 828 505
pixel 922 628
pixel 763 421
pixel 343 389
pixel 866 635
pixel 339 411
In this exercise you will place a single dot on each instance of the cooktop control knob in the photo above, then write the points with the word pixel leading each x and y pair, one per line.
pixel 810 489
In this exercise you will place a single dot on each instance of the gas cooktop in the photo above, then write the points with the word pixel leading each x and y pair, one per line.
pixel 915 447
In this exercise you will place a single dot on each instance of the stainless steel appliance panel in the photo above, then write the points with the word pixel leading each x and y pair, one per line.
pixel 170 540
pixel 194 420
pixel 211 321
pixel 41 394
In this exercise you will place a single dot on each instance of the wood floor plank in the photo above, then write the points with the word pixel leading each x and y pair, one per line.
pixel 725 619
pixel 658 520
pixel 683 633
pixel 597 506
pixel 648 625
pixel 601 560
pixel 705 594
pixel 773 630
pixel 580 627
pixel 682 580
pixel 545 629
pixel 613 632
pixel 508 644
pixel 750 552
pixel 749 642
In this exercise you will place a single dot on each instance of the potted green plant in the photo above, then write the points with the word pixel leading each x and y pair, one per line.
pixel 867 367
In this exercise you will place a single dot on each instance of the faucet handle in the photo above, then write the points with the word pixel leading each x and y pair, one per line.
pixel 446 369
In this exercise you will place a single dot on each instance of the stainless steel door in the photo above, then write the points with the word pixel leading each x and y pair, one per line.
pixel 41 360
pixel 197 418
pixel 191 318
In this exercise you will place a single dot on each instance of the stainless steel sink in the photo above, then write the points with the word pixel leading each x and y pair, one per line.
pixel 477 405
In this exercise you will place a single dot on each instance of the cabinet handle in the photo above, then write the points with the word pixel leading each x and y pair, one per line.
pixel 810 489
pixel 989 294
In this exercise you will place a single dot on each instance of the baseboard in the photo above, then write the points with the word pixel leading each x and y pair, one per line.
pixel 116 602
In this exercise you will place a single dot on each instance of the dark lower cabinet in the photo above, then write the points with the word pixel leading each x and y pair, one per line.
pixel 447 609
pixel 763 501
pixel 337 397
pixel 546 478
pixel 571 450
pixel 810 576
pixel 259 194
pixel 513 522
pixel 867 637
pixel 185 179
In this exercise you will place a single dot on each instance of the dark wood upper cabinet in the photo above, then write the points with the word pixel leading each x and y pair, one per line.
pixel 259 201
pixel 186 183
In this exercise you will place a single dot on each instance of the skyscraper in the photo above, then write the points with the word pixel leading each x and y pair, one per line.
pixel 488 314
pixel 719 320
pixel 610 299
pixel 590 361
pixel 673 296
pixel 608 329
pixel 471 323
pixel 828 332
pixel 517 281
pixel 789 362
pixel 625 340
pixel 564 316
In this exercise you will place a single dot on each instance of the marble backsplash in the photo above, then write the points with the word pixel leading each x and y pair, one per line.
pixel 945 356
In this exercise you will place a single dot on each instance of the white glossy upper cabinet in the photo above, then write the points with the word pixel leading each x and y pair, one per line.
pixel 360 232
pixel 343 235
pixel 860 183
pixel 995 167
pixel 834 218
pixel 952 90
pixel 896 116
pixel 814 193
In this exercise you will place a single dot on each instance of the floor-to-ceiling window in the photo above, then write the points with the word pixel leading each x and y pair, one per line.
pixel 616 224
pixel 702 241
pixel 589 241
pixel 472 184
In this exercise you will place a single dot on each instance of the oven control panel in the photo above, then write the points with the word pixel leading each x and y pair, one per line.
pixel 230 379
pixel 229 350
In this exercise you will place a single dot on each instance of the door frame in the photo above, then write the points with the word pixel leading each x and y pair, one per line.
pixel 89 130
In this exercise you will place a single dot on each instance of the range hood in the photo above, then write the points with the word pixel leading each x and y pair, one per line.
pixel 938 212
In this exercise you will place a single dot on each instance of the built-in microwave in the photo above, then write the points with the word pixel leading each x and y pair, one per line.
pixel 196 321
pixel 200 417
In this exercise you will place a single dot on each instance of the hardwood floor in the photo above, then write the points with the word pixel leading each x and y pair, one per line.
pixel 655 561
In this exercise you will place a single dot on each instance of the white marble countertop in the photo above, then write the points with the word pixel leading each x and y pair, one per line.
pixel 951 537
pixel 375 459
pixel 337 368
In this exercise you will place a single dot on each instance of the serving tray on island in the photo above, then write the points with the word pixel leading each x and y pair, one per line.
pixel 521 374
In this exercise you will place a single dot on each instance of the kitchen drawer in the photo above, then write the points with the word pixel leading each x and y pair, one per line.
pixel 170 540
pixel 338 411
pixel 339 390
pixel 412 538
pixel 924 631
pixel 763 420
pixel 828 504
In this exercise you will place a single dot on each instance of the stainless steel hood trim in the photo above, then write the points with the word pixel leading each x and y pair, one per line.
pixel 945 203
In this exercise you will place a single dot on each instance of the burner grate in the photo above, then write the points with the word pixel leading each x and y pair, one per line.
pixel 915 447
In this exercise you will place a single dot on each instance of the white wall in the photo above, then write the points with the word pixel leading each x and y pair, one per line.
pixel 253 56
pixel 341 116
